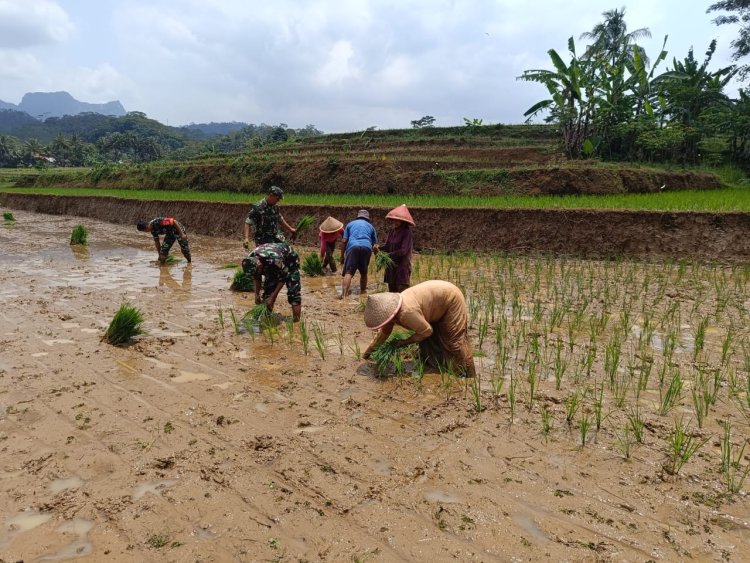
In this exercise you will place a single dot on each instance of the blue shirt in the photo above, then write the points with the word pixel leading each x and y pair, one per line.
pixel 360 233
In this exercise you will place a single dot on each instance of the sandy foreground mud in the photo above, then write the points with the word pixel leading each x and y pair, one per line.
pixel 199 444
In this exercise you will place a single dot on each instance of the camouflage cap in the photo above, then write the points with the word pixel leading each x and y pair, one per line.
pixel 250 265
pixel 277 191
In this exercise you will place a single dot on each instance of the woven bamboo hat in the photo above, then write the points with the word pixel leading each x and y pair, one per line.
pixel 400 213
pixel 330 225
pixel 381 308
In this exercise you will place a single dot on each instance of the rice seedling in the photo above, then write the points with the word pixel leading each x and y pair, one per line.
pixel 700 338
pixel 354 347
pixel 476 394
pixel 290 330
pixel 304 223
pixel 383 261
pixel 447 379
pixel 584 425
pixel 171 260
pixel 483 328
pixel 79 235
pixel 636 423
pixel 249 327
pixel 572 402
pixel 384 354
pixel 320 340
pixel 229 266
pixel 8 217
pixel 682 445
pixel 220 313
pixel 625 442
pixel 731 464
pixel 726 345
pixel 235 320
pixel 673 394
pixel 533 380
pixel 125 324
pixel 598 406
pixel 546 422
pixel 561 364
pixel 242 282
pixel 259 313
pixel 312 265
pixel 340 340
pixel 304 336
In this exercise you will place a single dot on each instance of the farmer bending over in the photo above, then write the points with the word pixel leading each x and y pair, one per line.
pixel 274 265
pixel 436 311
pixel 172 230
pixel 264 218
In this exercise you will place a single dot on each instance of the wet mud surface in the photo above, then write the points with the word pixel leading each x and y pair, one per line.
pixel 199 444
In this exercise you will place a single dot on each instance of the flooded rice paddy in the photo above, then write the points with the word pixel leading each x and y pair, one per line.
pixel 608 420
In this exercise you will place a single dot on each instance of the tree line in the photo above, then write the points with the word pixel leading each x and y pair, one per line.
pixel 89 139
pixel 609 100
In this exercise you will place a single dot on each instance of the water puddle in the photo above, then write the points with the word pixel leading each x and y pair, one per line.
pixel 528 525
pixel 79 548
pixel 155 488
pixel 60 485
pixel 54 341
pixel 436 495
pixel 188 376
pixel 310 430
pixel 39 354
pixel 70 325
pixel 25 521
pixel 90 330
pixel 159 364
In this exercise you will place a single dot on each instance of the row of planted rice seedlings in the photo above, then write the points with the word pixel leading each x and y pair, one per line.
pixel 658 339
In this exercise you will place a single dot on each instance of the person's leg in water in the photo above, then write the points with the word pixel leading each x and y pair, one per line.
pixel 169 239
pixel 184 246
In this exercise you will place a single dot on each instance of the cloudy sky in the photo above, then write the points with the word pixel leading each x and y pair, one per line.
pixel 342 65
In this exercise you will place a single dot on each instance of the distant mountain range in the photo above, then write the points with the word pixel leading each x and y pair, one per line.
pixel 41 105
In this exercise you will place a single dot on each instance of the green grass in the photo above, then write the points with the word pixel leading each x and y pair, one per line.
pixel 735 198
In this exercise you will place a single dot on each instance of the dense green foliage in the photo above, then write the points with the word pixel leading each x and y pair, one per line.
pixel 610 102
pixel 90 138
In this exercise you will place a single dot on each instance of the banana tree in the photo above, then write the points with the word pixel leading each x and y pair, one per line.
pixel 570 103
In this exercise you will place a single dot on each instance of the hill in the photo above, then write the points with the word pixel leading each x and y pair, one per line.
pixel 57 104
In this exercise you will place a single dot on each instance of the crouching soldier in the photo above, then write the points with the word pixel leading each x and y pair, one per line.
pixel 274 265
pixel 172 230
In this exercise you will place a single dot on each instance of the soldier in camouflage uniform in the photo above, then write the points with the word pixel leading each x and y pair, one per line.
pixel 274 265
pixel 172 230
pixel 264 218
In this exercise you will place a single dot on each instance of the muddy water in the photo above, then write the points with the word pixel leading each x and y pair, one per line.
pixel 197 443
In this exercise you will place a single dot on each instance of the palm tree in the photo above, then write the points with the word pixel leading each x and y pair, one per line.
pixel 612 40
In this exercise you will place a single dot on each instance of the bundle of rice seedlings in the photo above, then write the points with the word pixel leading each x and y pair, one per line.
pixel 229 266
pixel 384 354
pixel 8 217
pixel 383 260
pixel 171 260
pixel 79 235
pixel 312 265
pixel 259 312
pixel 242 282
pixel 305 222
pixel 125 324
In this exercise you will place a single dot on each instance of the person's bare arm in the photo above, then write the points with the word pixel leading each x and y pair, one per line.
pixel 343 249
pixel 180 232
pixel 286 226
pixel 157 245
pixel 271 300
pixel 246 244
pixel 381 337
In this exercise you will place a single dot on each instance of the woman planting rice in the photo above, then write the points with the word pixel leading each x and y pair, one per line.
pixel 399 245
pixel 436 311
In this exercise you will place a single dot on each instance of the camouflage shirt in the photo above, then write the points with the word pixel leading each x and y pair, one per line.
pixel 279 256
pixel 164 226
pixel 264 219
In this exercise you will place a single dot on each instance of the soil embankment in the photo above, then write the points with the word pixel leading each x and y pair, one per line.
pixel 583 233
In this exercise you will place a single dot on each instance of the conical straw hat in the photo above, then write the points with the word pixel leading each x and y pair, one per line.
pixel 381 308
pixel 330 225
pixel 400 213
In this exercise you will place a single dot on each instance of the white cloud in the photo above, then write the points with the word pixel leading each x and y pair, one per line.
pixel 32 23
pixel 339 65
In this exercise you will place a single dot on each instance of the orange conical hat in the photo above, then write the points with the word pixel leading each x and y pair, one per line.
pixel 400 213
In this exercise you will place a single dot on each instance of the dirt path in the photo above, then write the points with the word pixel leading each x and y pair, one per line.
pixel 199 444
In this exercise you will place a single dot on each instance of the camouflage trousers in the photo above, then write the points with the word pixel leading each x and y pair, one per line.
pixel 292 281
pixel 170 237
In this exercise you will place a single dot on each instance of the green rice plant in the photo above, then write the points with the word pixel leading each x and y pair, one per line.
pixel 384 354
pixel 512 396
pixel 354 347
pixel 259 313
pixel 731 464
pixel 483 328
pixel 418 373
pixel 340 340
pixel 572 403
pixel 476 394
pixel 242 282
pixel 636 423
pixel 533 381
pixel 625 442
pixel 312 265
pixel 447 380
pixel 561 364
pixel 673 394
pixel 726 345
pixel 8 217
pixel 249 327
pixel 682 445
pixel 383 261
pixel 290 330
pixel 125 324
pixel 598 406
pixel 547 419
pixel 700 337
pixel 235 321
pixel 220 313
pixel 304 336
pixel 229 266
pixel 320 340
pixel 79 235
pixel 700 405
pixel 584 425
pixel 304 223
pixel 171 260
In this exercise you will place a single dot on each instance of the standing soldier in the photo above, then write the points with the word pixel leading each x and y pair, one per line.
pixel 278 263
pixel 264 218
pixel 172 230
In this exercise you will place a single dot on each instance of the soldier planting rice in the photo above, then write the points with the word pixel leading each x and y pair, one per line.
pixel 264 219
pixel 272 266
pixel 172 230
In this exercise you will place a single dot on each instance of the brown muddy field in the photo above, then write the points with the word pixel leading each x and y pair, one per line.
pixel 199 444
